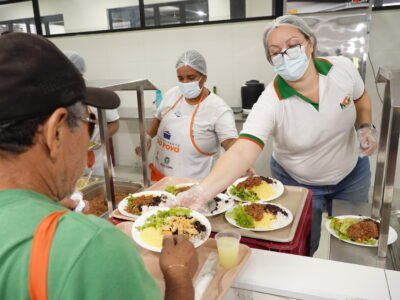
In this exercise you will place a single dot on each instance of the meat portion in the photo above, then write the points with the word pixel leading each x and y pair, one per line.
pixel 135 204
pixel 250 182
pixel 363 230
pixel 98 205
pixel 255 210
pixel 182 189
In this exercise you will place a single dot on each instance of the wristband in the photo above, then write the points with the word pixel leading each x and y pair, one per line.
pixel 176 265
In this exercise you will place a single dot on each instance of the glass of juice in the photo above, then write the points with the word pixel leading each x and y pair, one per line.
pixel 228 248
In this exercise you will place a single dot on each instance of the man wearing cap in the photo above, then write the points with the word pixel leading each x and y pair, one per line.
pixel 44 132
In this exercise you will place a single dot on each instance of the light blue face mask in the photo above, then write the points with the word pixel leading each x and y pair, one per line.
pixel 293 69
pixel 190 90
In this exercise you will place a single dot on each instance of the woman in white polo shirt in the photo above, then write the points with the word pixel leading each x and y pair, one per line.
pixel 319 114
pixel 190 124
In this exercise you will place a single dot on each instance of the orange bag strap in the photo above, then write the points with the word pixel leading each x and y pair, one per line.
pixel 40 253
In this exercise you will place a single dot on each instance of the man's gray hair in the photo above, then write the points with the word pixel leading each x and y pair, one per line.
pixel 18 136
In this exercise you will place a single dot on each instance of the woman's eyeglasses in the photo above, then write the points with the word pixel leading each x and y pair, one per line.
pixel 291 52
pixel 92 121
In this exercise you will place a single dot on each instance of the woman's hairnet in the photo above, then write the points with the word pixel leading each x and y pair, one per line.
pixel 193 59
pixel 290 20
pixel 77 60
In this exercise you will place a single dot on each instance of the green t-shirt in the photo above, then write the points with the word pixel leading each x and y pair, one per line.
pixel 89 258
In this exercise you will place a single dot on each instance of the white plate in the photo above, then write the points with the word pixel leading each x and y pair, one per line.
pixel 277 186
pixel 124 202
pixel 142 219
pixel 391 238
pixel 222 206
pixel 275 225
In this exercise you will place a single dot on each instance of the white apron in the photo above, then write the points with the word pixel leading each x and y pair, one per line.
pixel 176 151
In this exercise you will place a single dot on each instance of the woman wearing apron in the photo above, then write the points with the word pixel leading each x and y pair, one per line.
pixel 318 113
pixel 190 124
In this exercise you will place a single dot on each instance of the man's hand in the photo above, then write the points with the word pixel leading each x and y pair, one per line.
pixel 178 255
pixel 178 262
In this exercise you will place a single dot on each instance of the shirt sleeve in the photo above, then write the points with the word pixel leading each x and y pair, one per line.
pixel 112 115
pixel 110 268
pixel 358 84
pixel 225 126
pixel 260 123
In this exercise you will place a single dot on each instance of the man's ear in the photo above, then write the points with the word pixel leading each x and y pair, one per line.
pixel 54 131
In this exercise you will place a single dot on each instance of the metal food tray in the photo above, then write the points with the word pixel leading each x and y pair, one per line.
pixel 121 186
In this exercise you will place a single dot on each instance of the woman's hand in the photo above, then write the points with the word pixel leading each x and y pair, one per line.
pixel 368 140
pixel 138 149
pixel 194 198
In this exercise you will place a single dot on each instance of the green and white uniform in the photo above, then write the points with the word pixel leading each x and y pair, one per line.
pixel 316 143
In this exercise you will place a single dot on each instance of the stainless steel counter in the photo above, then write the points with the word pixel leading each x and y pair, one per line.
pixel 368 256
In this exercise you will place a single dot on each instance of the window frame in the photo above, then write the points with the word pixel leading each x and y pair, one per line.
pixel 277 9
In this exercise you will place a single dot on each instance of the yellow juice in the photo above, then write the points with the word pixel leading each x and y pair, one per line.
pixel 228 251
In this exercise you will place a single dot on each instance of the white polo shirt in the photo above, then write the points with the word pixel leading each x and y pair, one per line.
pixel 316 143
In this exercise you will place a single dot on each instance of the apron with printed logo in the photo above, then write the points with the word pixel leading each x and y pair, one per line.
pixel 176 152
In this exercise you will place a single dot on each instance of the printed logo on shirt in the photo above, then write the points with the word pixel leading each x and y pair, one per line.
pixel 178 114
pixel 167 145
pixel 167 160
pixel 167 135
pixel 345 103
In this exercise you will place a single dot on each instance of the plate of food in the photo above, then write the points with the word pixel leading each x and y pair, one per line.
pixel 136 204
pixel 357 230
pixel 259 216
pixel 220 204
pixel 150 228
pixel 255 189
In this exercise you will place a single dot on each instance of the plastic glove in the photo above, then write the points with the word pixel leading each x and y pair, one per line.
pixel 368 139
pixel 195 198
pixel 138 149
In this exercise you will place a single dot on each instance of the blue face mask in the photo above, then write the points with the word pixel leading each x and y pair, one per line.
pixel 190 90
pixel 293 69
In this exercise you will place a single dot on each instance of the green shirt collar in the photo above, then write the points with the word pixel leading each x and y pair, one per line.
pixel 12 195
pixel 284 91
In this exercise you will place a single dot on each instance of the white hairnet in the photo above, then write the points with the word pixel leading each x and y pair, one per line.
pixel 293 21
pixel 193 59
pixel 77 60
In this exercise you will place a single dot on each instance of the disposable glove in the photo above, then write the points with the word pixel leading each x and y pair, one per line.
pixel 368 139
pixel 195 198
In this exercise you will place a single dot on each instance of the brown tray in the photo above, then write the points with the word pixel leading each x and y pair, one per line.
pixel 293 198
pixel 222 280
